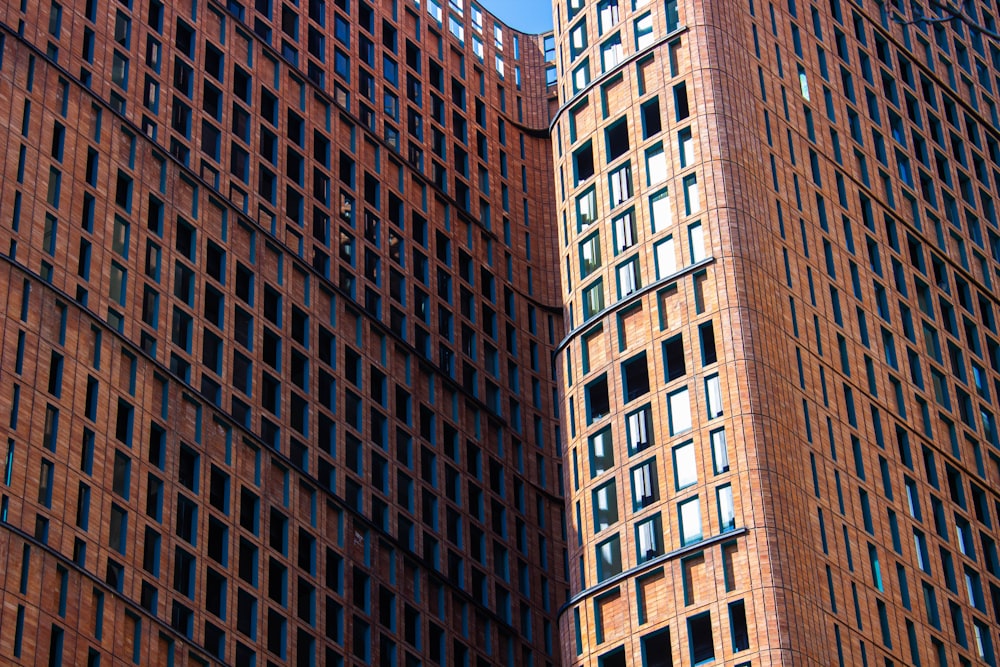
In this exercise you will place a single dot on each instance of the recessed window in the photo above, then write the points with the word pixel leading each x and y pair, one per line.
pixel 681 110
pixel 644 484
pixel 738 626
pixel 656 165
pixel 685 466
pixel 660 211
pixel 648 539
pixel 685 147
pixel 673 19
pixel 692 201
pixel 598 405
pixel 609 558
pixel 593 299
pixel 727 513
pixel 666 258
pixel 696 237
pixel 713 396
pixel 680 412
pixel 690 517
pixel 590 255
pixel 720 453
pixel 577 39
pixel 639 431
pixel 656 648
pixel 628 277
pixel 620 182
pixel 635 378
pixel 605 500
pixel 617 139
pixel 586 209
pixel 611 53
pixel 624 226
pixel 583 163
pixel 607 14
pixel 581 76
pixel 706 335
pixel 602 456
pixel 644 35
pixel 673 358
pixel 650 112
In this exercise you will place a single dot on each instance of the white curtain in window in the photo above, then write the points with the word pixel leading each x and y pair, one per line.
pixel 637 430
pixel 627 278
pixel 624 233
pixel 642 481
pixel 647 540
pixel 713 389
pixel 621 185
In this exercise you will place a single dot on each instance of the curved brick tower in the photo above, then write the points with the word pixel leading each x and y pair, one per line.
pixel 778 239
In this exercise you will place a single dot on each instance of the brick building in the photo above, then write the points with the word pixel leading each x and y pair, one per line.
pixel 779 244
pixel 289 377
pixel 276 371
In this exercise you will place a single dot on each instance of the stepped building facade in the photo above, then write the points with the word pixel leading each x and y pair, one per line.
pixel 345 333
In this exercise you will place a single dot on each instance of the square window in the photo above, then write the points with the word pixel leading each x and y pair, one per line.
pixel 635 378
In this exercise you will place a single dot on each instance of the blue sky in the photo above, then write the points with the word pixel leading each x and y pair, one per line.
pixel 531 16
